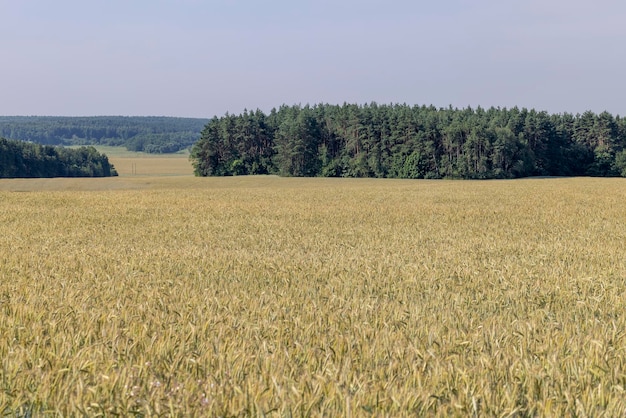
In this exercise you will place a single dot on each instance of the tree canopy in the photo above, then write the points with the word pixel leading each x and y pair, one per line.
pixel 148 134
pixel 19 159
pixel 403 141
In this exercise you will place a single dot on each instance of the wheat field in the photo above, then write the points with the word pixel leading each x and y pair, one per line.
pixel 267 296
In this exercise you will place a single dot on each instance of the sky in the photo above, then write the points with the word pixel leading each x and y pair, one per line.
pixel 203 58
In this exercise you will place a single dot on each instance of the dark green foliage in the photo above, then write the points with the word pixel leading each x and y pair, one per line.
pixel 296 144
pixel 20 159
pixel 149 134
pixel 235 145
pixel 411 142
pixel 620 163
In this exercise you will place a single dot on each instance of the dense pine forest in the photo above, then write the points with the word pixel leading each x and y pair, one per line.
pixel 148 134
pixel 411 142
pixel 19 159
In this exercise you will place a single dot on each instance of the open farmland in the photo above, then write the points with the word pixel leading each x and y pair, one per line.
pixel 130 163
pixel 175 295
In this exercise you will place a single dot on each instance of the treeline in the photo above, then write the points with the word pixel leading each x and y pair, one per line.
pixel 19 159
pixel 148 134
pixel 411 142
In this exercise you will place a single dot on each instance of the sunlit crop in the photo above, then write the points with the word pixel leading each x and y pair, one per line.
pixel 312 297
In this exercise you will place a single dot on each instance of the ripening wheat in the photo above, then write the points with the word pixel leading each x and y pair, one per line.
pixel 314 297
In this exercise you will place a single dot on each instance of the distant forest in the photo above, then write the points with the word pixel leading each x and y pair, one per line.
pixel 148 134
pixel 404 141
pixel 19 159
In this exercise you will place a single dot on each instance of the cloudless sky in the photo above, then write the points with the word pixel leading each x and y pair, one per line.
pixel 201 58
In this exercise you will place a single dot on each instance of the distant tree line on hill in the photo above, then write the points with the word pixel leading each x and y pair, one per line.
pixel 404 141
pixel 148 134
pixel 19 159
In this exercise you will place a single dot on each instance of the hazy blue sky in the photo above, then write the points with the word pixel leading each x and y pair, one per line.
pixel 205 57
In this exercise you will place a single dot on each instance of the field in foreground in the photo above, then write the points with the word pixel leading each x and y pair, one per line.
pixel 263 295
